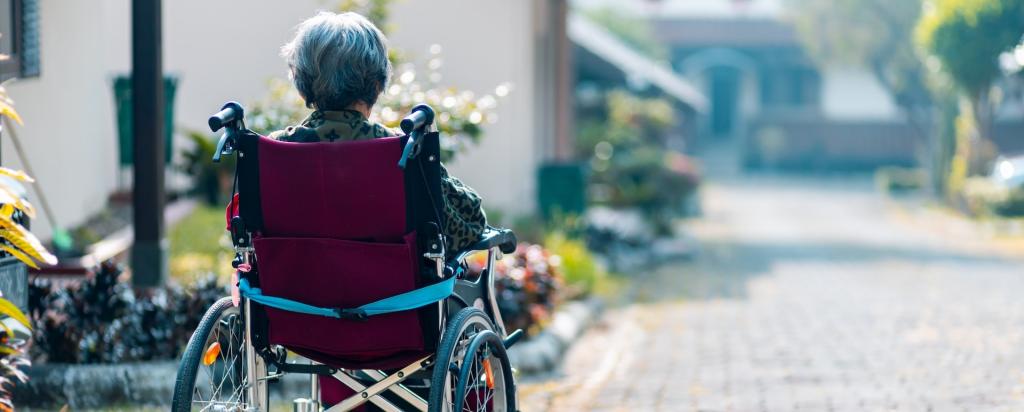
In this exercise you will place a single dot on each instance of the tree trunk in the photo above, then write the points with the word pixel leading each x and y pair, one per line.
pixel 983 112
pixel 920 116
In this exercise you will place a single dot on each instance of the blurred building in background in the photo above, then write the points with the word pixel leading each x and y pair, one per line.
pixel 603 62
pixel 766 96
pixel 765 93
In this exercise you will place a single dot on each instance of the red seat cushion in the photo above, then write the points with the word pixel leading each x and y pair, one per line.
pixel 339 274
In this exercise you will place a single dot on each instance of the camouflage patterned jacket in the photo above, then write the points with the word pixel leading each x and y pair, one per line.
pixel 464 213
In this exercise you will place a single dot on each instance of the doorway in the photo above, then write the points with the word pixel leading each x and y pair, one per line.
pixel 725 88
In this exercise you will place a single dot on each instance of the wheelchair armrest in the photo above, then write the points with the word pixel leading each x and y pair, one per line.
pixel 503 239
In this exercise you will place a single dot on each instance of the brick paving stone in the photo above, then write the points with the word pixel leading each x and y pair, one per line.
pixel 807 296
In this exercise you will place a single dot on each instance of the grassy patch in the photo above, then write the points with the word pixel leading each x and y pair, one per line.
pixel 200 246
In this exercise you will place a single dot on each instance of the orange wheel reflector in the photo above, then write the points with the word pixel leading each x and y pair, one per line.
pixel 489 373
pixel 211 353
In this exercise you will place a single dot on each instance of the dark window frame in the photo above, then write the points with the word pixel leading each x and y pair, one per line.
pixel 23 61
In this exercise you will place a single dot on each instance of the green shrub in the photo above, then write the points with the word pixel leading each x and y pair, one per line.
pixel 210 181
pixel 1012 205
pixel 580 270
pixel 983 197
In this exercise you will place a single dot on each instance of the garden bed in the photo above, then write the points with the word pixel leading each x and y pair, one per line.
pixel 105 236
pixel 151 384
pixel 100 343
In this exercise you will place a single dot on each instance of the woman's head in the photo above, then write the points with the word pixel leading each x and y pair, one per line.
pixel 338 60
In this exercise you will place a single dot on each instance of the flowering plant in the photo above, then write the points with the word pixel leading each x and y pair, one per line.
pixel 460 114
pixel 528 284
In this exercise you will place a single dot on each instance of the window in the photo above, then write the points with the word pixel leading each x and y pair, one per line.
pixel 19 26
pixel 790 87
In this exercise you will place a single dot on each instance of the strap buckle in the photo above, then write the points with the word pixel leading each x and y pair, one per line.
pixel 352 314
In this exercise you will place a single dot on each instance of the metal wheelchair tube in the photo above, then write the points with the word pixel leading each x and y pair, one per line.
pixel 256 369
pixel 314 390
pixel 305 405
pixel 499 324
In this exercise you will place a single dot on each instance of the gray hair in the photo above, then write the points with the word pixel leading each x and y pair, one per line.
pixel 337 60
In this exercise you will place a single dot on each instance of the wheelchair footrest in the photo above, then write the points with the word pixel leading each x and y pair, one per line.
pixel 313 369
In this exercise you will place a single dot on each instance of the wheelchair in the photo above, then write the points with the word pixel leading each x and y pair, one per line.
pixel 341 263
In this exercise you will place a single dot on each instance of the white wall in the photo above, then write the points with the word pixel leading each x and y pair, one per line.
pixel 69 133
pixel 848 94
pixel 228 50
pixel 485 43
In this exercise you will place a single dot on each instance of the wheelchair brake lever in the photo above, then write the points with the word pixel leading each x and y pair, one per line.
pixel 226 145
pixel 408 151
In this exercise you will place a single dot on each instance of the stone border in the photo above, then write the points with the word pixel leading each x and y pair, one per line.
pixel 94 386
pixel 111 385
pixel 542 353
pixel 152 383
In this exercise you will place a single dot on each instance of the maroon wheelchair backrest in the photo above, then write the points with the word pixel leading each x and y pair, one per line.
pixel 336 225
pixel 344 190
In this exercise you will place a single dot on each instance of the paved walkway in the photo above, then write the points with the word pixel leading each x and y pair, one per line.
pixel 808 295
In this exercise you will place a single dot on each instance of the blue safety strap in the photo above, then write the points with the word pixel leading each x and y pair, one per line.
pixel 406 301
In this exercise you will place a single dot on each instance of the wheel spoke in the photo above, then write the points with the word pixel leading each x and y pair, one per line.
pixel 224 384
pixel 477 370
pixel 480 384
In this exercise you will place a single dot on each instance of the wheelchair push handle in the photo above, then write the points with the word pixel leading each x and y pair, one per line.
pixel 421 116
pixel 414 125
pixel 228 118
pixel 230 113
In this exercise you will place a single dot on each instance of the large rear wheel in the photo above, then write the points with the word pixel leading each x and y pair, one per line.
pixel 472 372
pixel 212 374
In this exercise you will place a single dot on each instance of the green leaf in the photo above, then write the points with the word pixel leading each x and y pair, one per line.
pixel 7 308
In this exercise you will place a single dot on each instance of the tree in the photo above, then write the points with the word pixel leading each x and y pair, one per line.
pixel 630 167
pixel 876 35
pixel 967 37
pixel 631 30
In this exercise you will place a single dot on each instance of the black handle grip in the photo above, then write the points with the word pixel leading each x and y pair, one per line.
pixel 422 115
pixel 230 113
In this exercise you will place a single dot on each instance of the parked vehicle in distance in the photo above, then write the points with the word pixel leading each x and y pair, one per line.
pixel 1008 171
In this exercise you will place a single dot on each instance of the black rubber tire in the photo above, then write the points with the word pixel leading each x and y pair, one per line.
pixel 189 366
pixel 458 324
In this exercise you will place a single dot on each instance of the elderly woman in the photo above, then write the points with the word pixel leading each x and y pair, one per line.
pixel 339 64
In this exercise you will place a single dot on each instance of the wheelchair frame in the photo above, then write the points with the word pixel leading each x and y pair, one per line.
pixel 468 293
pixel 256 365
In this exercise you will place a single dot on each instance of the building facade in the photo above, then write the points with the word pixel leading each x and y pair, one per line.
pixel 228 50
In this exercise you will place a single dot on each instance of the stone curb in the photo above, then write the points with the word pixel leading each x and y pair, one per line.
pixel 152 383
pixel 93 386
pixel 104 386
pixel 543 352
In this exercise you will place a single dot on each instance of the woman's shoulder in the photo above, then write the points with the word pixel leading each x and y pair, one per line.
pixel 298 134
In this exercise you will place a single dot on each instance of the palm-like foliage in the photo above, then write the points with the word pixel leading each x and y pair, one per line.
pixel 12 352
pixel 18 242
pixel 15 239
